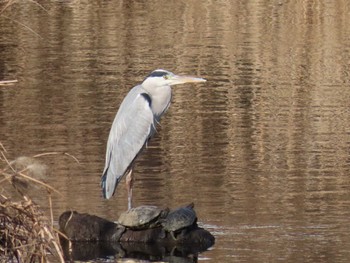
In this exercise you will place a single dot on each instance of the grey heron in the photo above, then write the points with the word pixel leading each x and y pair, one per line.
pixel 134 125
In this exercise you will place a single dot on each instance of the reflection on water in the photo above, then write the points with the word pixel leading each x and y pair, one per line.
pixel 85 251
pixel 262 148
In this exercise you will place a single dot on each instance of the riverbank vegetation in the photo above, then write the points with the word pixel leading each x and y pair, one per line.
pixel 26 233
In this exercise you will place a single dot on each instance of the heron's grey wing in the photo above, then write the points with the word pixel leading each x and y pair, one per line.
pixel 131 128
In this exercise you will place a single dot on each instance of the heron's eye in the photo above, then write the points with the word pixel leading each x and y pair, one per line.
pixel 165 76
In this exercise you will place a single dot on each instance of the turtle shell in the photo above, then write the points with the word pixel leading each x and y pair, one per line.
pixel 142 217
pixel 180 218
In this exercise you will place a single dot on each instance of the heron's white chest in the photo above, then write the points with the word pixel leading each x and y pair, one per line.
pixel 161 97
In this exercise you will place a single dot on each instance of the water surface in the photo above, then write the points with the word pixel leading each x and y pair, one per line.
pixel 261 148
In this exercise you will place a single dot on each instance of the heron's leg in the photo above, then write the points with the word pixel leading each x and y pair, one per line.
pixel 129 184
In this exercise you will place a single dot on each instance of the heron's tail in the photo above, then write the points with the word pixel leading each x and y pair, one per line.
pixel 104 187
pixel 108 184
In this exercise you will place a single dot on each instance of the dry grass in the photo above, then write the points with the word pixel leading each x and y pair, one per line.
pixel 5 4
pixel 26 234
pixel 5 7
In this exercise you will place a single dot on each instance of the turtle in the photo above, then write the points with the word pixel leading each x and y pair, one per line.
pixel 179 220
pixel 142 217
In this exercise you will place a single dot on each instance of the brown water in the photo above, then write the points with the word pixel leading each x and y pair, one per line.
pixel 262 147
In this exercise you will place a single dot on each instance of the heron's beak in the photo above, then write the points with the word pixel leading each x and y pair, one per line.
pixel 176 79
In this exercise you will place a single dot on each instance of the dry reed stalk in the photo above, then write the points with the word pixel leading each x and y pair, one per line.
pixel 8 82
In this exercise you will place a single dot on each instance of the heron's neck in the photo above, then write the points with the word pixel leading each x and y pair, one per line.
pixel 161 97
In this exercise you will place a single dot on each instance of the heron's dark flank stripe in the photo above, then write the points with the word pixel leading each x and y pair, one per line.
pixel 147 98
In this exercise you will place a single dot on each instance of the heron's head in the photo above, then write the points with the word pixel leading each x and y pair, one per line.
pixel 161 77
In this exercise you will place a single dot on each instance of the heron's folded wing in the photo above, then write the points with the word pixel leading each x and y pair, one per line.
pixel 131 129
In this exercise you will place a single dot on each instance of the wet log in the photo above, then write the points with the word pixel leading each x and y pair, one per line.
pixel 85 227
pixel 115 239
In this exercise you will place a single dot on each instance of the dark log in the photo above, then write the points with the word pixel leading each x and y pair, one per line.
pixel 85 227
pixel 114 239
